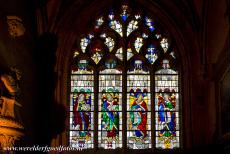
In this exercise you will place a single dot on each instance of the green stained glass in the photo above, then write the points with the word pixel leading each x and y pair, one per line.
pixel 123 41
pixel 138 110
pixel 110 116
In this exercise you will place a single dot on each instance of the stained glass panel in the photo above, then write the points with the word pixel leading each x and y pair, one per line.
pixel 164 44
pixel 99 22
pixel 172 53
pixel 124 14
pixel 76 53
pixel 146 108
pixel 97 55
pixel 132 26
pixel 81 109
pixel 115 24
pixel 109 42
pixel 167 108
pixel 151 54
pixel 138 43
pixel 110 107
pixel 138 109
pixel 119 53
pixel 149 23
pixel 129 53
pixel 85 42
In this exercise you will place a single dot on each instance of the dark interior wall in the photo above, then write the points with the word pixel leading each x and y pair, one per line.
pixel 18 52
pixel 225 104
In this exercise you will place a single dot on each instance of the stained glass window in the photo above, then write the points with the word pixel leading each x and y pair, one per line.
pixel 125 85
pixel 167 107
pixel 138 108
pixel 110 107
pixel 81 107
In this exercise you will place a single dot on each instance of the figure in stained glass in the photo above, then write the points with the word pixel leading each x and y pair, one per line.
pixel 81 119
pixel 110 116
pixel 139 117
pixel 166 118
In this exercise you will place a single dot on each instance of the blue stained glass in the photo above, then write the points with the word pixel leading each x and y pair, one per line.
pixel 111 15
pixel 150 24
pixel 151 54
pixel 138 64
pixel 124 14
pixel 124 17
